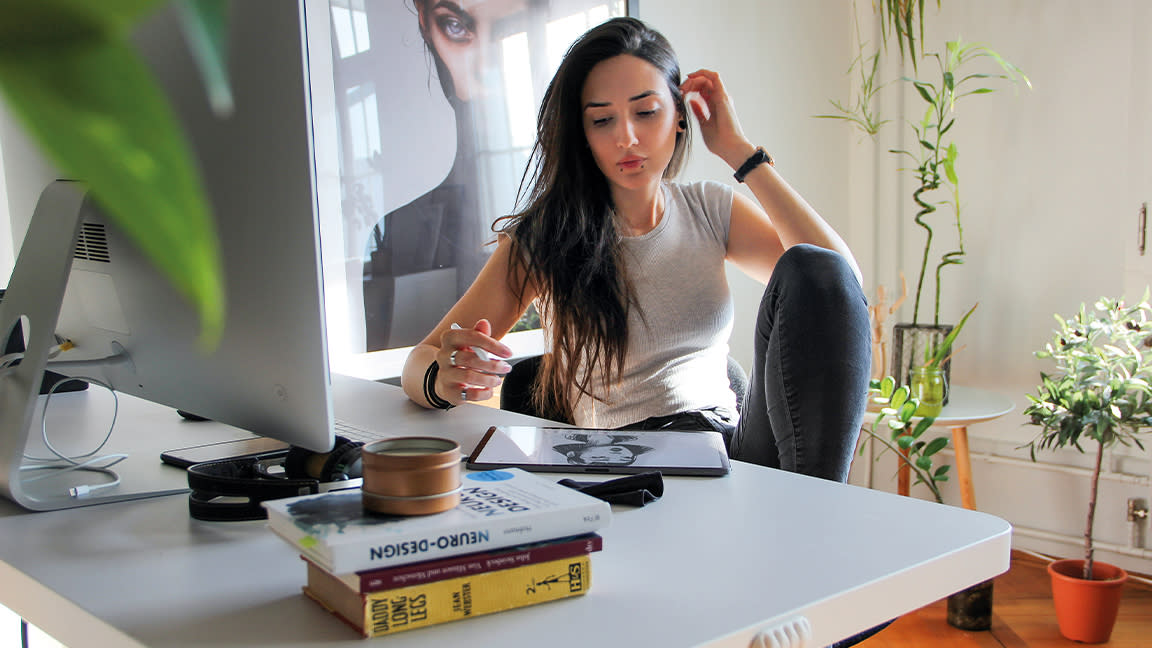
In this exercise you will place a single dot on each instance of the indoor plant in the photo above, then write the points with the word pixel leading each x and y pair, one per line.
pixel 900 428
pixel 933 157
pixel 1100 391
pixel 69 72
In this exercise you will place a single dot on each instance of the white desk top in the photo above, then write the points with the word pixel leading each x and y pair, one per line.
pixel 712 562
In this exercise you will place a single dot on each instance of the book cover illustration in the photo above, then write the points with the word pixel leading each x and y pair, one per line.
pixel 427 571
pixel 407 608
pixel 498 508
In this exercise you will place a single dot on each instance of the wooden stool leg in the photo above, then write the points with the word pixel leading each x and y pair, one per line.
pixel 903 475
pixel 964 467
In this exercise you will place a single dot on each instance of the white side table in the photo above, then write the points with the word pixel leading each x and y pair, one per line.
pixel 966 406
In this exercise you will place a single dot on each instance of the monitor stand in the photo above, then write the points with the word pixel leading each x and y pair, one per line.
pixel 31 307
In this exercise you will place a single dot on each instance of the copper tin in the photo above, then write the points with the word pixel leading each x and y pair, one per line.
pixel 411 475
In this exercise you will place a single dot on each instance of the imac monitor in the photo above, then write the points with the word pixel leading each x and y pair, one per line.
pixel 269 375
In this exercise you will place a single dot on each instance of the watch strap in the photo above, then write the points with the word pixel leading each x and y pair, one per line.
pixel 760 156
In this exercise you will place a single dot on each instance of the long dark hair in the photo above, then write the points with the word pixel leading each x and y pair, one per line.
pixel 564 241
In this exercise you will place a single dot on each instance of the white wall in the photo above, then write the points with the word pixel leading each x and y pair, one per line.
pixel 23 174
pixel 780 61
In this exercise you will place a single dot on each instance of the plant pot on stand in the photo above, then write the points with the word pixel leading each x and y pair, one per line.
pixel 909 342
pixel 1086 610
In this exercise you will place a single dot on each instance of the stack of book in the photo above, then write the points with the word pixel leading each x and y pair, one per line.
pixel 514 540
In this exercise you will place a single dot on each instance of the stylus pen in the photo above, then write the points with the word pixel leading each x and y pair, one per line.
pixel 480 353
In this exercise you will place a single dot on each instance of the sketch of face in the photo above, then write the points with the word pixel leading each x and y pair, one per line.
pixel 459 31
pixel 616 455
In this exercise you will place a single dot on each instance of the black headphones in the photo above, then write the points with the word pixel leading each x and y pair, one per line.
pixel 232 489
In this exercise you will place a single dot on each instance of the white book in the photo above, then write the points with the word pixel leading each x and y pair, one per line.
pixel 498 508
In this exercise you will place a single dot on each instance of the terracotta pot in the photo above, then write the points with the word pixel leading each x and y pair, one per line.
pixel 1086 609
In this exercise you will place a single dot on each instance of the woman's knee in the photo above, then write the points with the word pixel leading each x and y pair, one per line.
pixel 816 268
pixel 813 279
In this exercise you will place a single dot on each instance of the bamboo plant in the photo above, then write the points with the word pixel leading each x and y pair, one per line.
pixel 1100 391
pixel 935 156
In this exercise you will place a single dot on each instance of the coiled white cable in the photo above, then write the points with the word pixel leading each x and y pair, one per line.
pixel 61 463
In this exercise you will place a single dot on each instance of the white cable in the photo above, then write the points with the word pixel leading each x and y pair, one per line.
pixel 73 463
pixel 44 417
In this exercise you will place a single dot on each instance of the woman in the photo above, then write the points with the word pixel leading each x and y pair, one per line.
pixel 627 270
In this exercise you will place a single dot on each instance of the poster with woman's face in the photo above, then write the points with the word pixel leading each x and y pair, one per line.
pixel 434 118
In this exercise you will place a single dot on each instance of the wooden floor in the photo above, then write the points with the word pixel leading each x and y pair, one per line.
pixel 1022 617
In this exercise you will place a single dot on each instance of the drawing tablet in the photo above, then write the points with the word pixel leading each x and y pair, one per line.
pixel 583 450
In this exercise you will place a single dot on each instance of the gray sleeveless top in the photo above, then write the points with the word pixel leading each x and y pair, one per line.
pixel 678 348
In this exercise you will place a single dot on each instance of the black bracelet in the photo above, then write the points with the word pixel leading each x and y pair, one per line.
pixel 756 159
pixel 430 394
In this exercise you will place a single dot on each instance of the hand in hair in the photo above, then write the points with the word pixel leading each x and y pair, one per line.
pixel 714 112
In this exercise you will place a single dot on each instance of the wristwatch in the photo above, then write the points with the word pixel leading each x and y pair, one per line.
pixel 756 159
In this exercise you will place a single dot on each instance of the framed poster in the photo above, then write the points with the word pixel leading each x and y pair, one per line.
pixel 422 142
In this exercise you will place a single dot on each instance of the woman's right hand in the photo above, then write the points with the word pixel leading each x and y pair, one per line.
pixel 464 373
pixel 719 127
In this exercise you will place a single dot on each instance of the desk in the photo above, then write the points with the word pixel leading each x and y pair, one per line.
pixel 712 563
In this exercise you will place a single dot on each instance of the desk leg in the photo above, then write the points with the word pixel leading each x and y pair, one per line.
pixel 964 467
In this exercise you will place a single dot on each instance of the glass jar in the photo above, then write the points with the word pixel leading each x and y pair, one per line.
pixel 929 386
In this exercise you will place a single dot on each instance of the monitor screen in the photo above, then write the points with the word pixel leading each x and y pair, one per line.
pixel 269 373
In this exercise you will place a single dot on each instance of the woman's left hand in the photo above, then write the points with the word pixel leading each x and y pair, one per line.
pixel 717 117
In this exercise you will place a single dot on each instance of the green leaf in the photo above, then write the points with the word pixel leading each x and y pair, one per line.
pixel 899 397
pixel 97 112
pixel 950 164
pixel 204 23
pixel 946 346
pixel 924 463
pixel 905 442
pixel 920 87
pixel 935 445
pixel 887 386
pixel 907 410
pixel 923 425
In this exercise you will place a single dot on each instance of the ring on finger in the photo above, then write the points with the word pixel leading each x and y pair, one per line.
pixel 463 395
pixel 452 358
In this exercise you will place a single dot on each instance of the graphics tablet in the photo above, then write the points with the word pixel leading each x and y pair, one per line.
pixel 582 450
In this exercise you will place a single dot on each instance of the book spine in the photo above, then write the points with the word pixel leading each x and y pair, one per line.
pixel 470 564
pixel 388 612
pixel 495 533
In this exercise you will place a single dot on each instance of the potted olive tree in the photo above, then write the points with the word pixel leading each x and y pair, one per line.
pixel 1100 393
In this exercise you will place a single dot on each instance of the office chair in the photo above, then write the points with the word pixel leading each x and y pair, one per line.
pixel 516 392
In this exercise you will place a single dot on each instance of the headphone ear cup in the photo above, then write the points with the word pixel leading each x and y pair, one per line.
pixel 340 463
pixel 343 462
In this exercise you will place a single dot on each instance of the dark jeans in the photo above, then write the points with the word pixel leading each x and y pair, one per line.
pixel 811 362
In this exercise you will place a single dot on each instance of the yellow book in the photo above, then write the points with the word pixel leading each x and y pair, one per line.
pixel 405 608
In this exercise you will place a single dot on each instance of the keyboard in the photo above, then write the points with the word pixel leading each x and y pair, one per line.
pixel 355 433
